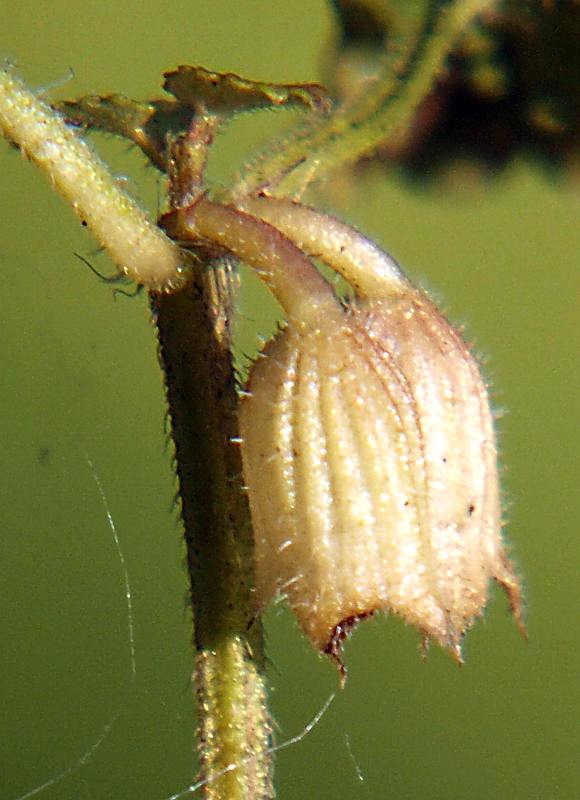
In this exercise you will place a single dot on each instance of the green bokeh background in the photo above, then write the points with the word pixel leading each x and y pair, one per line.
pixel 79 376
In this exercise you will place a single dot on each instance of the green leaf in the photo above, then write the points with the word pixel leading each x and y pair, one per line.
pixel 147 124
pixel 227 93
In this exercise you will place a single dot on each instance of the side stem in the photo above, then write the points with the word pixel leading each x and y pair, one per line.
pixel 139 249
pixel 353 131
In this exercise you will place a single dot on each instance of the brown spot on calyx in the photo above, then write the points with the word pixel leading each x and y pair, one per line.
pixel 339 633
pixel 510 585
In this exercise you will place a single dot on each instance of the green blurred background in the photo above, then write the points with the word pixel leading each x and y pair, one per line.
pixel 80 376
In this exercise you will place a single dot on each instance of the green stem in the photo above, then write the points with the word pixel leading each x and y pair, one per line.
pixel 293 279
pixel 193 326
pixel 195 348
pixel 195 351
pixel 139 249
pixel 383 112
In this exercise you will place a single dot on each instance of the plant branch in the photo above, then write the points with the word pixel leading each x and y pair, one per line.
pixel 139 249
pixel 355 130
pixel 195 350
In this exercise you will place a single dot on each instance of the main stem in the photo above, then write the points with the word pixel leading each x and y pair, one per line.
pixel 234 726
pixel 195 349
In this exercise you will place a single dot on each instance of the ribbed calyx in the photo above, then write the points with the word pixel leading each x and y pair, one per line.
pixel 370 454
pixel 367 437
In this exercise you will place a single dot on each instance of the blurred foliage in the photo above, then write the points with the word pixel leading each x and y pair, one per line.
pixel 511 87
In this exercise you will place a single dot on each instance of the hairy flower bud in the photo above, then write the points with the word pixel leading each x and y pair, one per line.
pixel 370 456
pixel 367 439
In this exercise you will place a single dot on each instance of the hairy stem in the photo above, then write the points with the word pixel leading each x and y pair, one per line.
pixel 195 348
pixel 384 111
pixel 368 269
pixel 139 249
pixel 290 275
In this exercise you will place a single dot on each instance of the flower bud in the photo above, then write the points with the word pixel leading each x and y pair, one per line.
pixel 369 454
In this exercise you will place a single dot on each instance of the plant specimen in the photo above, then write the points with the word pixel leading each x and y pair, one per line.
pixel 367 432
